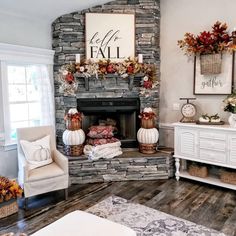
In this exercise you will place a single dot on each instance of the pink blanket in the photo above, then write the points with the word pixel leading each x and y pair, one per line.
pixel 101 132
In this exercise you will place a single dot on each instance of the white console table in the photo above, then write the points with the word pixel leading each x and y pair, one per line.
pixel 209 144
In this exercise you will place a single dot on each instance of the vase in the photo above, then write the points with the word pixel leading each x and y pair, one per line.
pixel 232 120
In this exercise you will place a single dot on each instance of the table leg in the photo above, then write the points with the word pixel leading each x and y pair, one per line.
pixel 177 166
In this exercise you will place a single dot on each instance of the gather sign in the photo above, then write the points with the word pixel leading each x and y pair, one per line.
pixel 110 36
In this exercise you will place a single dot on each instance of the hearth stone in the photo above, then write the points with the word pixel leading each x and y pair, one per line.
pixel 132 165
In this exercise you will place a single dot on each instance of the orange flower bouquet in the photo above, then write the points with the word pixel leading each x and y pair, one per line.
pixel 9 189
pixel 207 42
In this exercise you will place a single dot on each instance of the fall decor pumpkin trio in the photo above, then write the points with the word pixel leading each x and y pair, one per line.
pixel 73 137
pixel 147 135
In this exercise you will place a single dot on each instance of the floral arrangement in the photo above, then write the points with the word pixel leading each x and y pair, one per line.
pixel 88 68
pixel 73 115
pixel 207 42
pixel 230 103
pixel 147 114
pixel 9 189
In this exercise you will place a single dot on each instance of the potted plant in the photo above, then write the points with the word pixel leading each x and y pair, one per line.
pixel 209 45
pixel 9 191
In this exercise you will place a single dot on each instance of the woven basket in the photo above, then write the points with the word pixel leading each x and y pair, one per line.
pixel 73 150
pixel 8 208
pixel 210 64
pixel 228 177
pixel 147 124
pixel 148 148
pixel 198 171
pixel 73 124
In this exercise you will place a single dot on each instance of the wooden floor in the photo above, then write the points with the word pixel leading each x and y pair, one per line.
pixel 203 204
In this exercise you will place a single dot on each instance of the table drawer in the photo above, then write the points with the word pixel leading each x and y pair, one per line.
pixel 214 156
pixel 212 135
pixel 217 145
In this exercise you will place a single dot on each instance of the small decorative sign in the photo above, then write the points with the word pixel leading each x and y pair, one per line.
pixel 215 83
pixel 110 36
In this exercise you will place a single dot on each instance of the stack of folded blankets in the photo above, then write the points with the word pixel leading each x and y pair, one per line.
pixel 101 143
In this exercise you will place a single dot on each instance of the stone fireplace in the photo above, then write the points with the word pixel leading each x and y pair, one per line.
pixel 69 39
pixel 113 98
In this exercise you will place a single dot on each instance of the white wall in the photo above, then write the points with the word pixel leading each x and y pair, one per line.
pixel 25 31
pixel 8 163
pixel 177 18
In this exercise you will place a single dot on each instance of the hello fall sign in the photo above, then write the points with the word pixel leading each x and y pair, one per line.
pixel 110 36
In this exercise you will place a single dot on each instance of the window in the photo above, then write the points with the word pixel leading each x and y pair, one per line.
pixel 28 100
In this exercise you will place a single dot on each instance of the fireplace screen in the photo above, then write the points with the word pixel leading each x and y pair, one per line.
pixel 122 113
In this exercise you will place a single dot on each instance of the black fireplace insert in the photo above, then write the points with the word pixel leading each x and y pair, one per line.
pixel 122 112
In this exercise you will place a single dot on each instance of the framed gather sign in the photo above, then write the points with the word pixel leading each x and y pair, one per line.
pixel 109 36
pixel 215 83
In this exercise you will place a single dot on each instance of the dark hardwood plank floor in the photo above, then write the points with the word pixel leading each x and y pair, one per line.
pixel 203 204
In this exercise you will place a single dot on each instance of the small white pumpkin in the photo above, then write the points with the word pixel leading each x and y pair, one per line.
pixel 73 111
pixel 148 136
pixel 204 119
pixel 76 137
pixel 147 109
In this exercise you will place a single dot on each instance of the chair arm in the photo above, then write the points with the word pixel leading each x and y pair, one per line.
pixel 23 168
pixel 61 160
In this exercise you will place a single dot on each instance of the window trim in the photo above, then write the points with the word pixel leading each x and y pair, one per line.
pixel 15 54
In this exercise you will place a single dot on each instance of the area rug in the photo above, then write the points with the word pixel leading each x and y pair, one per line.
pixel 147 221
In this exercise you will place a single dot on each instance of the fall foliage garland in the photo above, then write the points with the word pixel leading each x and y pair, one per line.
pixel 87 68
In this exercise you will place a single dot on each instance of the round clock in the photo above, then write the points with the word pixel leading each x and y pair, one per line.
pixel 188 111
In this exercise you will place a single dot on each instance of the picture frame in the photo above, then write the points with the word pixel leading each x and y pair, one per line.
pixel 215 84
pixel 111 37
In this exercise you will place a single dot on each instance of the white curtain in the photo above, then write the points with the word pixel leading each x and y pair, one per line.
pixel 46 92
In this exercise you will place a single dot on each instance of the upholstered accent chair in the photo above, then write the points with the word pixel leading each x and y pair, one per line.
pixel 47 178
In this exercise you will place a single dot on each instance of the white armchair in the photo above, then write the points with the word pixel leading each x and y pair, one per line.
pixel 51 177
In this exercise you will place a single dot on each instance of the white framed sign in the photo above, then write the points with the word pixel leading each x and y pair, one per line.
pixel 109 36
pixel 216 83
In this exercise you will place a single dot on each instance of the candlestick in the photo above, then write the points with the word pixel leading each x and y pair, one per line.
pixel 77 58
pixel 140 58
pixel 234 36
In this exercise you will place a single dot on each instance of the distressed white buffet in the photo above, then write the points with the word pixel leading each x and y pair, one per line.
pixel 210 144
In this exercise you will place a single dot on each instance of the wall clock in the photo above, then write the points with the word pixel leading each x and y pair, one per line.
pixel 188 111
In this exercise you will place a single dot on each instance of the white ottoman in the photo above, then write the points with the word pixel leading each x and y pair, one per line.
pixel 80 223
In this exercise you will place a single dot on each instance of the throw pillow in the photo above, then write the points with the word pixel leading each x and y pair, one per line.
pixel 101 131
pixel 37 153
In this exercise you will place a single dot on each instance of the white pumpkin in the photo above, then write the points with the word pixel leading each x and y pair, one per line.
pixel 76 137
pixel 204 119
pixel 148 136
pixel 73 111
pixel 147 109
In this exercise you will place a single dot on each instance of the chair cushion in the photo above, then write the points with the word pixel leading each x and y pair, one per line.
pixel 37 153
pixel 45 172
pixel 84 224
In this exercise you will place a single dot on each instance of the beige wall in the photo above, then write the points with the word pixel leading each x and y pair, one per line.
pixel 177 18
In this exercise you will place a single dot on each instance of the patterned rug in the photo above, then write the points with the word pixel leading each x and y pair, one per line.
pixel 147 221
